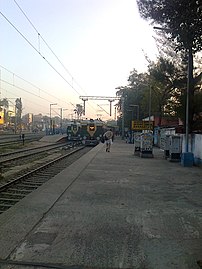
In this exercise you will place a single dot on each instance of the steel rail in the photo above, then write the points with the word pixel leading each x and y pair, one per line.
pixel 20 178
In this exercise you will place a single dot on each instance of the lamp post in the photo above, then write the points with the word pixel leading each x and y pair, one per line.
pixel 150 88
pixel 123 117
pixel 50 117
pixel 84 99
pixel 149 107
pixel 75 112
pixel 188 157
pixel 132 116
pixel 61 117
pixel 110 111
pixel 189 83
pixel 115 112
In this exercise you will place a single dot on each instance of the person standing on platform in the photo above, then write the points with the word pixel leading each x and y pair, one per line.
pixel 108 136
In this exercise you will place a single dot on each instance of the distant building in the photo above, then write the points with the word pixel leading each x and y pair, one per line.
pixel 27 121
pixel 164 121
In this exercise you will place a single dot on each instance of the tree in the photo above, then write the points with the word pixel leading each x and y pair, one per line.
pixel 164 80
pixel 134 97
pixel 78 110
pixel 4 103
pixel 182 19
pixel 18 113
pixel 179 60
pixel 123 92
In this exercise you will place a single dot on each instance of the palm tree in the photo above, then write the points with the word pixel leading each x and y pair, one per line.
pixel 4 103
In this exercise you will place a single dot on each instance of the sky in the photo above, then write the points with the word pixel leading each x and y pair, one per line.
pixel 54 51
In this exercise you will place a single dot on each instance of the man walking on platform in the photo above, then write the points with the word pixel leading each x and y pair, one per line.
pixel 108 136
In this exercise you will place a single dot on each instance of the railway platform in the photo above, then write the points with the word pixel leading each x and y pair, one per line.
pixel 54 138
pixel 108 210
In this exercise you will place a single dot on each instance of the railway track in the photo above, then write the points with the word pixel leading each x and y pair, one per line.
pixel 8 142
pixel 13 144
pixel 17 188
pixel 20 154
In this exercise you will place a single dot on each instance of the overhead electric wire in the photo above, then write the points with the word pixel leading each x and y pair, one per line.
pixel 38 52
pixel 39 35
pixel 20 88
pixel 18 31
pixel 103 109
pixel 40 89
pixel 26 16
pixel 15 75
pixel 30 101
pixel 29 82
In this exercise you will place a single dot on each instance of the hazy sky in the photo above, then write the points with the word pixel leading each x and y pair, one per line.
pixel 98 41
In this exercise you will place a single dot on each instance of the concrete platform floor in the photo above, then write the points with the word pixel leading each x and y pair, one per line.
pixel 109 210
pixel 54 138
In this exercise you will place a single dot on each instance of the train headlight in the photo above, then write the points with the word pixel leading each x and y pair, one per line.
pixel 92 128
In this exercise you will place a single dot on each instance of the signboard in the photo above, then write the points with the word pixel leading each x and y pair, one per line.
pixel 142 125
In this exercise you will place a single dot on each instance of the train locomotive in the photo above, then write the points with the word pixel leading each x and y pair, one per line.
pixel 73 131
pixel 87 131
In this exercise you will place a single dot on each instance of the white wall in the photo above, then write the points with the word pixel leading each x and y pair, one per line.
pixel 195 146
pixel 197 150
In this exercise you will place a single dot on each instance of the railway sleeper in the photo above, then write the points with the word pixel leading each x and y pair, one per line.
pixel 62 166
pixel 41 181
pixel 26 186
pixel 2 211
pixel 29 183
pixel 9 194
pixel 46 173
pixel 51 171
pixel 19 190
pixel 32 180
pixel 9 200
pixel 39 176
pixel 5 206
pixel 38 179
